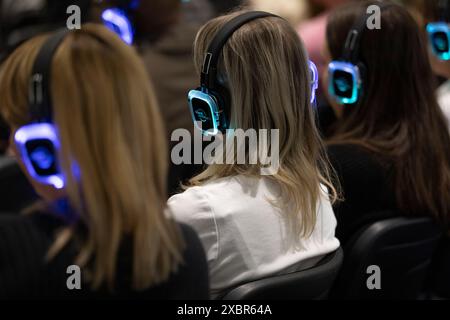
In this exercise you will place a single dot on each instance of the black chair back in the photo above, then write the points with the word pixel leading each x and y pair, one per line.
pixel 389 259
pixel 439 287
pixel 311 284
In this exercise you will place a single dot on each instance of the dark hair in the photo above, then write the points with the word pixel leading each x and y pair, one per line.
pixel 398 117
pixel 432 11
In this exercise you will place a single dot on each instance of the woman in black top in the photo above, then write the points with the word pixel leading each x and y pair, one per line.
pixel 24 272
pixel 391 149
pixel 87 132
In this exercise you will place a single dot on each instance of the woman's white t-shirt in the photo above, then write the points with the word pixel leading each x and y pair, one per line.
pixel 444 100
pixel 245 236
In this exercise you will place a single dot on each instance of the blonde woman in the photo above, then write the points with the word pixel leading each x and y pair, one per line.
pixel 255 226
pixel 107 212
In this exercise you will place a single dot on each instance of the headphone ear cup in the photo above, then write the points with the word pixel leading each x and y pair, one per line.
pixel 204 111
pixel 118 22
pixel 38 146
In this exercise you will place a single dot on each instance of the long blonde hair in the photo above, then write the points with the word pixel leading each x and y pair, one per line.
pixel 267 73
pixel 109 126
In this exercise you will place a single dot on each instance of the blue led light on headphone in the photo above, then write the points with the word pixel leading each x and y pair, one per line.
pixel 439 32
pixel 204 112
pixel 439 38
pixel 117 21
pixel 314 80
pixel 38 145
pixel 344 82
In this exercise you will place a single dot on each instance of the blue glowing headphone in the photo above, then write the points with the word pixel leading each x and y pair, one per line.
pixel 38 142
pixel 211 103
pixel 439 32
pixel 118 20
pixel 345 76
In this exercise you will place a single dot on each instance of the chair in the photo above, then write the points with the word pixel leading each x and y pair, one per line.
pixel 16 192
pixel 439 286
pixel 311 284
pixel 402 248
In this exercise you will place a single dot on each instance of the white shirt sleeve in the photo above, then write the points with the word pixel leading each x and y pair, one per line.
pixel 192 208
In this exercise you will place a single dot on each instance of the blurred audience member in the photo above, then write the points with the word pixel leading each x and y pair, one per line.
pixel 23 19
pixel 107 214
pixel 150 18
pixel 390 148
pixel 170 60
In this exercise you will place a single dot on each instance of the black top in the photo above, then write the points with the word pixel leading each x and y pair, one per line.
pixel 326 118
pixel 15 189
pixel 366 182
pixel 25 240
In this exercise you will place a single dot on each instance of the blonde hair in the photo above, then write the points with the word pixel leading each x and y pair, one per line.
pixel 110 127
pixel 267 71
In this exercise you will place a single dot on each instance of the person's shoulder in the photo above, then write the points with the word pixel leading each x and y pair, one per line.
pixel 192 201
pixel 193 207
pixel 201 195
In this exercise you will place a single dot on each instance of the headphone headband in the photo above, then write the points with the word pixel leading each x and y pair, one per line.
pixel 351 47
pixel 39 98
pixel 353 41
pixel 209 69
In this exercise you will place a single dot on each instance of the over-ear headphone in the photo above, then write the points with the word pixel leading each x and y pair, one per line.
pixel 118 19
pixel 439 32
pixel 38 142
pixel 345 76
pixel 210 104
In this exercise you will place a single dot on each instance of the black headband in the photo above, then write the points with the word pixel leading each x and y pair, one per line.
pixel 39 98
pixel 353 41
pixel 209 69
